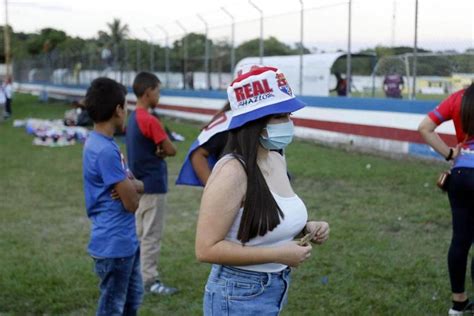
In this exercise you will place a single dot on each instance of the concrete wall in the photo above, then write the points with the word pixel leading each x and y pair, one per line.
pixel 385 125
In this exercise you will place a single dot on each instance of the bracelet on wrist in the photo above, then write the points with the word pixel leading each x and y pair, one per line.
pixel 450 155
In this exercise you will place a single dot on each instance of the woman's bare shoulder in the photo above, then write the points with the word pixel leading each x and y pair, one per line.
pixel 228 172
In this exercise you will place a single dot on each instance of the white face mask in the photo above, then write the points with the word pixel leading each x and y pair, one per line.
pixel 279 135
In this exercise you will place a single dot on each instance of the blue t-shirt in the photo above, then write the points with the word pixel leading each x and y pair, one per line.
pixel 113 233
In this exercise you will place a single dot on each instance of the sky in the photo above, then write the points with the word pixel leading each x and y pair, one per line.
pixel 442 24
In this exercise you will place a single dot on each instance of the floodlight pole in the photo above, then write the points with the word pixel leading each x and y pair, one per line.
pixel 349 61
pixel 261 29
pixel 185 52
pixel 394 14
pixel 206 52
pixel 232 41
pixel 138 55
pixel 6 36
pixel 301 47
pixel 167 55
pixel 415 51
pixel 152 52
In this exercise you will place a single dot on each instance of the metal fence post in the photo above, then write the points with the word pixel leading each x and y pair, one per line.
pixel 415 50
pixel 185 52
pixel 152 51
pixel 301 47
pixel 138 55
pixel 261 30
pixel 232 42
pixel 206 52
pixel 349 61
pixel 167 56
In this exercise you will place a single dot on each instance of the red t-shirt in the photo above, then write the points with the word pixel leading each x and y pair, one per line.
pixel 450 109
pixel 150 126
pixel 144 133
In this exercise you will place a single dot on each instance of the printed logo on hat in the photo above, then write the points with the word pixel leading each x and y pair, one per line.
pixel 283 84
pixel 261 91
pixel 252 92
pixel 256 88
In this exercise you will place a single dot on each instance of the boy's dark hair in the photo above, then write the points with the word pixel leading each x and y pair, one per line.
pixel 467 111
pixel 143 81
pixel 102 98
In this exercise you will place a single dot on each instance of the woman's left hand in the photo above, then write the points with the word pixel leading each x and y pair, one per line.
pixel 320 230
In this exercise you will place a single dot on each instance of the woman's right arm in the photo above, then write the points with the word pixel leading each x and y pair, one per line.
pixel 427 130
pixel 221 201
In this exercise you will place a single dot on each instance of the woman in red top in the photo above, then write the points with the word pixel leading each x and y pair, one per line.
pixel 458 107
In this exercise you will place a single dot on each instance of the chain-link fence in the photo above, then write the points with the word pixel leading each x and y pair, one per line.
pixel 200 52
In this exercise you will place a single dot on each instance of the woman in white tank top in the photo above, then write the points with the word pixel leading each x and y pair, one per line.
pixel 249 214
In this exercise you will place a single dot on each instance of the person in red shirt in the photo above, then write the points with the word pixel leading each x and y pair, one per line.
pixel 147 147
pixel 458 107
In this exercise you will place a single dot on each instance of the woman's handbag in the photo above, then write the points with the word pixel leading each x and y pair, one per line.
pixel 443 179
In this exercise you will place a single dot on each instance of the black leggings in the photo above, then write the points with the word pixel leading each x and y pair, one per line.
pixel 461 198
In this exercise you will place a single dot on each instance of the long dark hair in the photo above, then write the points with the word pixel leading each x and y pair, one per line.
pixel 467 111
pixel 261 212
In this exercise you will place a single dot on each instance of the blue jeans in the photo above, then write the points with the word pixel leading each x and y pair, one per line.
pixel 121 286
pixel 232 291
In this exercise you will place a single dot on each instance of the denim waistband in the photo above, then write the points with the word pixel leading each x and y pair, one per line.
pixel 254 275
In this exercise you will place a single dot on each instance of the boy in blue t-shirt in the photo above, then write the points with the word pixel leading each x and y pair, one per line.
pixel 111 199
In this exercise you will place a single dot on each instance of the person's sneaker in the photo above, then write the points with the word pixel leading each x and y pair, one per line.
pixel 159 288
pixel 467 310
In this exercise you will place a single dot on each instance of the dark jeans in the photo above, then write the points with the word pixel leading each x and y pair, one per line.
pixel 121 286
pixel 461 198
pixel 8 107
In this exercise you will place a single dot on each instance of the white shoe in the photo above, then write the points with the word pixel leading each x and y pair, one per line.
pixel 467 311
pixel 453 312
pixel 160 288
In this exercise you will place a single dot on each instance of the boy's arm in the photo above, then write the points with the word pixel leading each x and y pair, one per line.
pixel 200 164
pixel 152 128
pixel 127 193
pixel 111 167
pixel 138 185
pixel 165 149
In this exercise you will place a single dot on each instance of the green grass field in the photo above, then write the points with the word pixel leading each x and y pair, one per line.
pixel 390 231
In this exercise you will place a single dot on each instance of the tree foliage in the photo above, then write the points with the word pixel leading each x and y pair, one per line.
pixel 142 55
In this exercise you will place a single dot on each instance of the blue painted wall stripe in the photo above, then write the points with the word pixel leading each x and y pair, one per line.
pixel 366 104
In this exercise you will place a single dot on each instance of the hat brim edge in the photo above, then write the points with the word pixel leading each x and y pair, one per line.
pixel 287 106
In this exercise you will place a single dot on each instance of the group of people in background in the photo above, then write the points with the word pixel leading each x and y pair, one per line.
pixel 392 85
pixel 248 199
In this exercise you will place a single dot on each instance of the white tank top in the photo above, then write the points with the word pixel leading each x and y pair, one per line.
pixel 295 218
